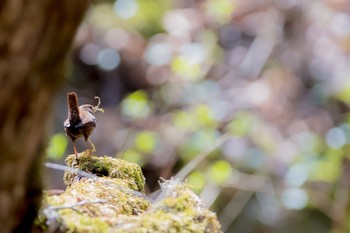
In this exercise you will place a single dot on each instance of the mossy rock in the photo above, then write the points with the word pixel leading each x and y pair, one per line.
pixel 178 209
pixel 105 167
pixel 101 200
pixel 113 203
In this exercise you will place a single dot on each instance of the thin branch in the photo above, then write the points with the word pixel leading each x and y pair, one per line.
pixel 70 169
pixel 72 206
pixel 125 143
pixel 233 208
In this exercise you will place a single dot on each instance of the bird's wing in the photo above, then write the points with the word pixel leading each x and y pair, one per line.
pixel 85 120
pixel 66 123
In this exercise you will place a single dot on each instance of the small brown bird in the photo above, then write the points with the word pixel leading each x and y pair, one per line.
pixel 81 120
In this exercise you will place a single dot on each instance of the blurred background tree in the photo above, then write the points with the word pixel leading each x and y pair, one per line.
pixel 33 47
pixel 247 100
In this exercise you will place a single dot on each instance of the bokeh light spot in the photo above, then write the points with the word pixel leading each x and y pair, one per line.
pixel 297 175
pixel 241 124
pixel 176 24
pixel 336 138
pixel 220 9
pixel 193 53
pixel 125 9
pixel 88 54
pixel 219 172
pixel 158 54
pixel 197 181
pixel 108 59
pixel 183 120
pixel 235 148
pixel 185 70
pixel 199 141
pixel 136 105
pixel 57 146
pixel 116 38
pixel 295 198
pixel 203 116
pixel 146 141
pixel 133 156
pixel 258 92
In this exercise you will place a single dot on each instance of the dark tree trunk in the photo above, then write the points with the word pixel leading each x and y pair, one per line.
pixel 35 37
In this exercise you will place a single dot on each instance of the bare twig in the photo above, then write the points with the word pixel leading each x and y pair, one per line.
pixel 70 169
pixel 80 203
pixel 233 208
pixel 125 143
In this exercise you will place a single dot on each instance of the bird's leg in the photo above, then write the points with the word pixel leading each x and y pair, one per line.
pixel 93 148
pixel 75 151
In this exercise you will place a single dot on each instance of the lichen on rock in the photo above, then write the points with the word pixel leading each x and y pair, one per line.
pixel 114 202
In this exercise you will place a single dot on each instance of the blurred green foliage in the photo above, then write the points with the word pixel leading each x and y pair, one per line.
pixel 219 172
pixel 197 181
pixel 133 156
pixel 220 9
pixel 145 16
pixel 199 141
pixel 146 142
pixel 328 167
pixel 241 124
pixel 183 120
pixel 57 146
pixel 136 105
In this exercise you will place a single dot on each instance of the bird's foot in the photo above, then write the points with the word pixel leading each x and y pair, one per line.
pixel 93 148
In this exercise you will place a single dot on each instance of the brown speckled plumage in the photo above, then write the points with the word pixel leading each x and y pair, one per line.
pixel 81 121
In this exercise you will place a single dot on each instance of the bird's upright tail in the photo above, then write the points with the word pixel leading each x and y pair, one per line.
pixel 73 107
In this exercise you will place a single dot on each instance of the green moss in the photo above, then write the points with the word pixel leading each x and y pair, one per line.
pixel 106 166
pixel 107 204
pixel 91 216
pixel 179 211
pixel 111 191
pixel 84 223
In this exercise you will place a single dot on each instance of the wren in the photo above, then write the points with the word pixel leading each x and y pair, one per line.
pixel 81 120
